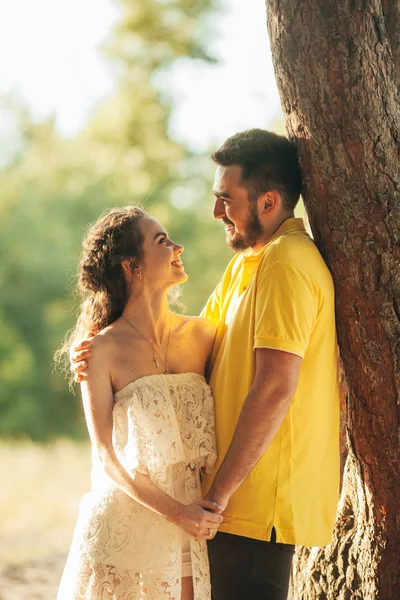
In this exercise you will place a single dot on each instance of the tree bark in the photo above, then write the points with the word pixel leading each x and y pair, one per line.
pixel 336 76
pixel 391 10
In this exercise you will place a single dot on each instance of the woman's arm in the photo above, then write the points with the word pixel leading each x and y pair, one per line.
pixel 98 402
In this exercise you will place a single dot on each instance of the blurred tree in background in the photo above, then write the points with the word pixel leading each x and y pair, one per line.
pixel 52 188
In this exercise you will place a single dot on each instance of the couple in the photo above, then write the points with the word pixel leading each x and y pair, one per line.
pixel 268 336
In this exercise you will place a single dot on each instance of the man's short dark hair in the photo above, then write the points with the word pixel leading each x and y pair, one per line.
pixel 268 161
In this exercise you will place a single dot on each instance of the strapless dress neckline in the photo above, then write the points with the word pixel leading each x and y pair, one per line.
pixel 175 377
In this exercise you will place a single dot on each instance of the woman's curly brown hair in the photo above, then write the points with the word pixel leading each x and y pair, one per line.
pixel 102 286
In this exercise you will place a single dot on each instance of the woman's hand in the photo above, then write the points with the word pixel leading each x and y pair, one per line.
pixel 200 520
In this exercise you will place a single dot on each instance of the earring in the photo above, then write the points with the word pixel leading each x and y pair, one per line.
pixel 140 276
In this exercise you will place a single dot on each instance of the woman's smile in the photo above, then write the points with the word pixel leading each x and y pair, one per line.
pixel 177 263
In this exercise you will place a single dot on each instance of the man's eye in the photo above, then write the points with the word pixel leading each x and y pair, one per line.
pixel 162 240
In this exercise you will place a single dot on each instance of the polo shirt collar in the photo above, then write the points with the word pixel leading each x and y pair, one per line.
pixel 288 226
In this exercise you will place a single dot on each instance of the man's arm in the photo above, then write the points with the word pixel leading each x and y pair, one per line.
pixel 262 414
pixel 211 311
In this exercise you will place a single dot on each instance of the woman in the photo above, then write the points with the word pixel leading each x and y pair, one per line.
pixel 142 528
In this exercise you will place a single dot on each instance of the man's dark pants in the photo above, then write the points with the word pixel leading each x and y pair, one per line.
pixel 247 569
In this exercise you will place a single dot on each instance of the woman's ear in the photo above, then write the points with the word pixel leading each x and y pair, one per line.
pixel 128 266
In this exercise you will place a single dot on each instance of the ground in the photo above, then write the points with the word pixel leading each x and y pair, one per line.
pixel 33 580
pixel 39 498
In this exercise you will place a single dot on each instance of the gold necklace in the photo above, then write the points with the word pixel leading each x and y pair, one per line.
pixel 155 359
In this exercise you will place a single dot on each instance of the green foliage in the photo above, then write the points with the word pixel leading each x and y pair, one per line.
pixel 53 188
pixel 154 33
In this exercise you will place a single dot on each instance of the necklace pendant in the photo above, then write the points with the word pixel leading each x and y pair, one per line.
pixel 155 361
pixel 166 372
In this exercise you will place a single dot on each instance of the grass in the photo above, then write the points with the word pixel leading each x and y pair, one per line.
pixel 40 490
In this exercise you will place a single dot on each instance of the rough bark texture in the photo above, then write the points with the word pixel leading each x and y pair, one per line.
pixel 336 76
pixel 391 10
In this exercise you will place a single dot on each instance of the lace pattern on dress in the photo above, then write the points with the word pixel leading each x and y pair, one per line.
pixel 163 425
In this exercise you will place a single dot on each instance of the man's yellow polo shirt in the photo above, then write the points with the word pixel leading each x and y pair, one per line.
pixel 280 298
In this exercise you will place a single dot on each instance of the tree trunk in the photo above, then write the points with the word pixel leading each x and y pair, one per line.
pixel 336 76
pixel 391 10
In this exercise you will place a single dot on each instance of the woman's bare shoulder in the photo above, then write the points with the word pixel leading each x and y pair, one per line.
pixel 198 324
pixel 108 340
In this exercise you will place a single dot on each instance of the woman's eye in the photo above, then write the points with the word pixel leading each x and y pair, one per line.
pixel 163 240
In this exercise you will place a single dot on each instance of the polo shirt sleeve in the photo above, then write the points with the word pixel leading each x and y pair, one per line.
pixel 211 310
pixel 286 308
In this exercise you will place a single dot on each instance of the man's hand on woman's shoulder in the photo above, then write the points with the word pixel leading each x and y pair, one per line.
pixel 81 352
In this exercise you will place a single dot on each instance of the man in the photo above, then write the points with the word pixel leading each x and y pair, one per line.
pixel 273 375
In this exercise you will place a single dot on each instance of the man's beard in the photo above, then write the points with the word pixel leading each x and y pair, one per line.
pixel 253 232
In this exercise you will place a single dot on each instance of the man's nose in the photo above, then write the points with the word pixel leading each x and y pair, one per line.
pixel 219 209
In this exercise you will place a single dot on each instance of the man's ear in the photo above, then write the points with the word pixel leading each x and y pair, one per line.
pixel 268 202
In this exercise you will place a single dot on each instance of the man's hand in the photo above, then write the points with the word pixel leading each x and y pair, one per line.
pixel 216 506
pixel 220 502
pixel 200 520
pixel 79 356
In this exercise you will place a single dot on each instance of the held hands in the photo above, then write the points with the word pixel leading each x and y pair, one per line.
pixel 221 500
pixel 79 355
pixel 201 519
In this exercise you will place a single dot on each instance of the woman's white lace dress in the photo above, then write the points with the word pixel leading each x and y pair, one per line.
pixel 163 426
